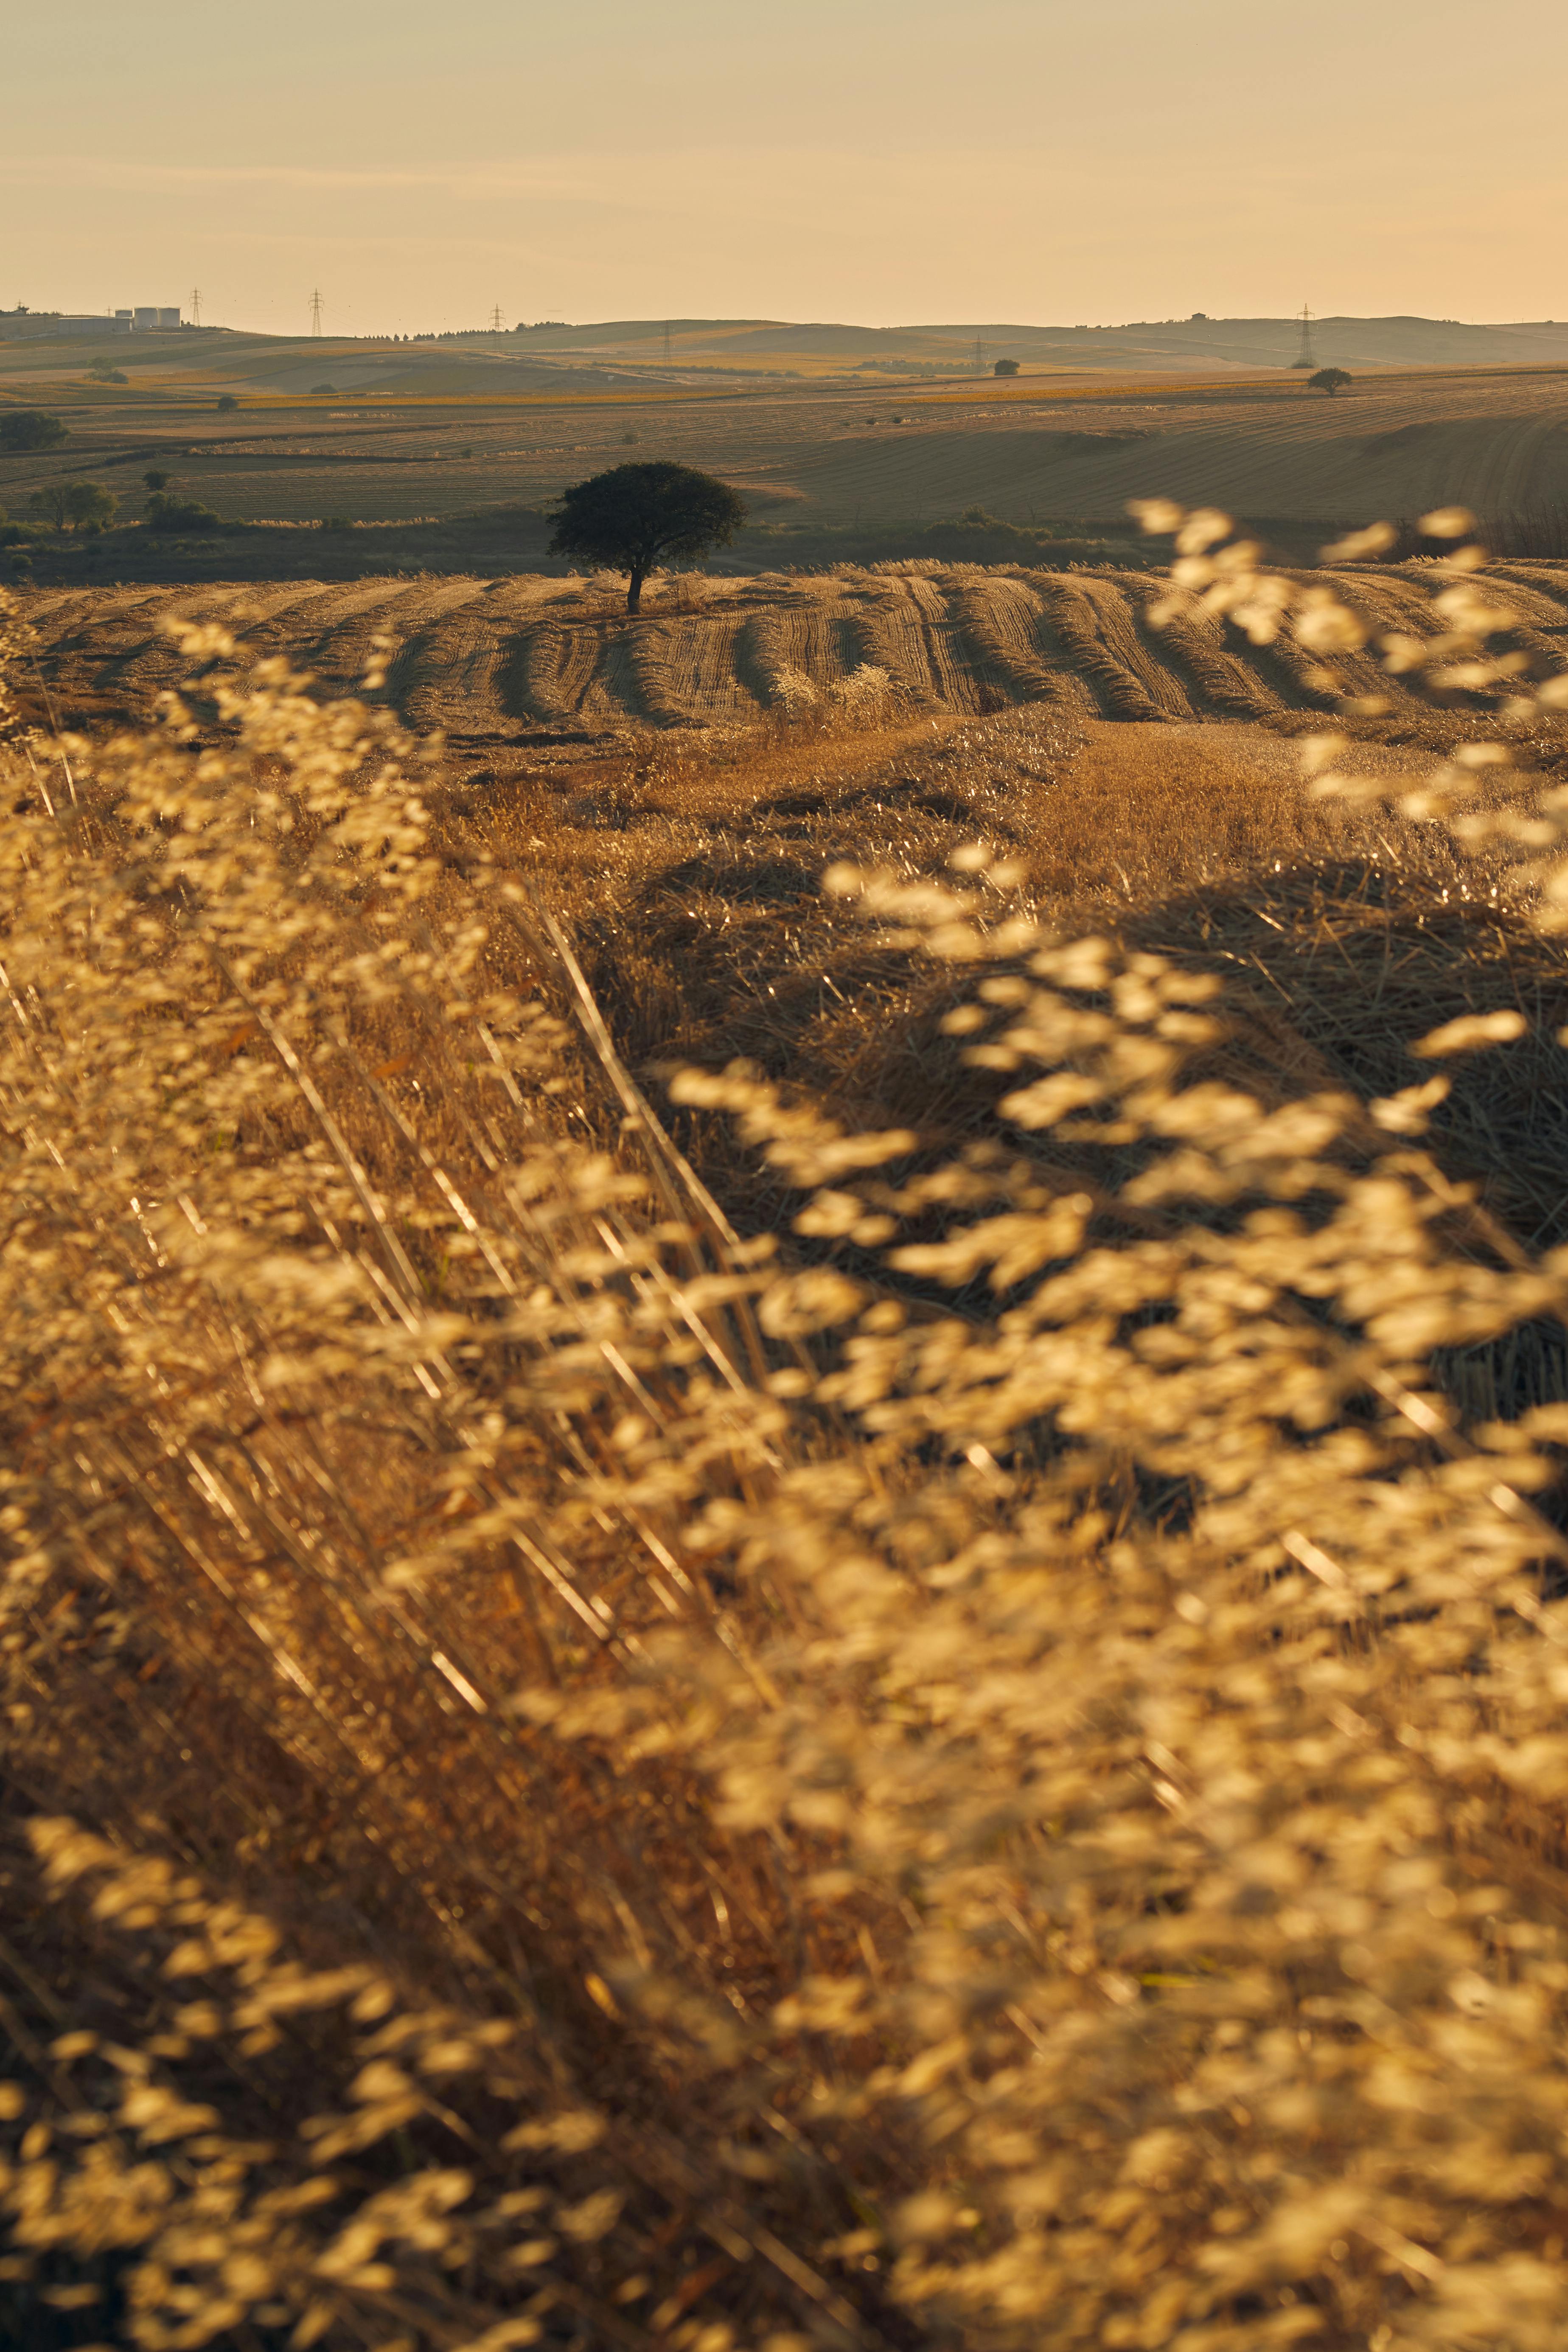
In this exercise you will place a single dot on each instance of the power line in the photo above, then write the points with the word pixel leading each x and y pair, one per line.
pixel 316 311
pixel 1306 357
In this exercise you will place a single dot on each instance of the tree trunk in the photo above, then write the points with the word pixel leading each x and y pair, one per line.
pixel 633 590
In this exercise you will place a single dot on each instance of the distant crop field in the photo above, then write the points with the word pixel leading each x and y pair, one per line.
pixel 501 659
pixel 397 442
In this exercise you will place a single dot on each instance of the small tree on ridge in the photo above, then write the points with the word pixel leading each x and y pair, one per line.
pixel 632 518
pixel 1329 380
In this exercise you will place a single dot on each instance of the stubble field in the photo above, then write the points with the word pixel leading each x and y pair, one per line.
pixel 784 1495
pixel 504 662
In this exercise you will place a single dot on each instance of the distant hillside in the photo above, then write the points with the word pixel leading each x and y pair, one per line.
pixel 608 351
pixel 1158 344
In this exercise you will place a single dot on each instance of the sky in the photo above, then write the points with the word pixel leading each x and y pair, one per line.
pixel 889 162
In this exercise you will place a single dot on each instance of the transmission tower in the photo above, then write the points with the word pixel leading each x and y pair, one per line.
pixel 979 357
pixel 316 311
pixel 496 327
pixel 667 349
pixel 195 306
pixel 1305 358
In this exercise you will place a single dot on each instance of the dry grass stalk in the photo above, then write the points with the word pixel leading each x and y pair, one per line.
pixel 984 1766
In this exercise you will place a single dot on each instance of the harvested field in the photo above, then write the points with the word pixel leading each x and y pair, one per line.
pixel 969 1586
pixel 500 660
pixel 808 457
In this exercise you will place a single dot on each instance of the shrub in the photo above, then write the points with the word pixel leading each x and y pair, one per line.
pixel 226 403
pixel 170 514
pixel 157 477
pixel 1005 367
pixel 336 522
pixel 979 536
pixel 30 428
pixel 320 388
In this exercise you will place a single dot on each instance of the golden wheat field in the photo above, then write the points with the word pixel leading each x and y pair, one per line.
pixel 498 661
pixel 782 1500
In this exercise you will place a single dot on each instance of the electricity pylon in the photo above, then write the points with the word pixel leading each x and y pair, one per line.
pixel 316 311
pixel 979 357
pixel 496 327
pixel 1305 358
pixel 195 306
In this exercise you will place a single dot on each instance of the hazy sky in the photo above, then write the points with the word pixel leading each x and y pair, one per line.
pixel 887 161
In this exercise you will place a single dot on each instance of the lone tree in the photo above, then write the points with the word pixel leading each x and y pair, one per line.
pixel 634 517
pixel 227 402
pixel 31 428
pixel 157 477
pixel 1005 367
pixel 1327 380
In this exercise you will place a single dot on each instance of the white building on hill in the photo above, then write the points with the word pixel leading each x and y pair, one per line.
pixel 34 325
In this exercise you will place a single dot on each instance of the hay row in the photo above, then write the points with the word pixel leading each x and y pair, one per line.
pixel 451 669
pixel 654 663
pixel 1193 641
pixel 1000 619
pixel 704 668
pixel 1128 644
pixel 549 670
pixel 1077 620
pixel 479 658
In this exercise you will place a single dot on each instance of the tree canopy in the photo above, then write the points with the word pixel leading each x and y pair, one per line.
pixel 632 518
pixel 31 428
pixel 1329 380
pixel 68 504
pixel 1005 367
